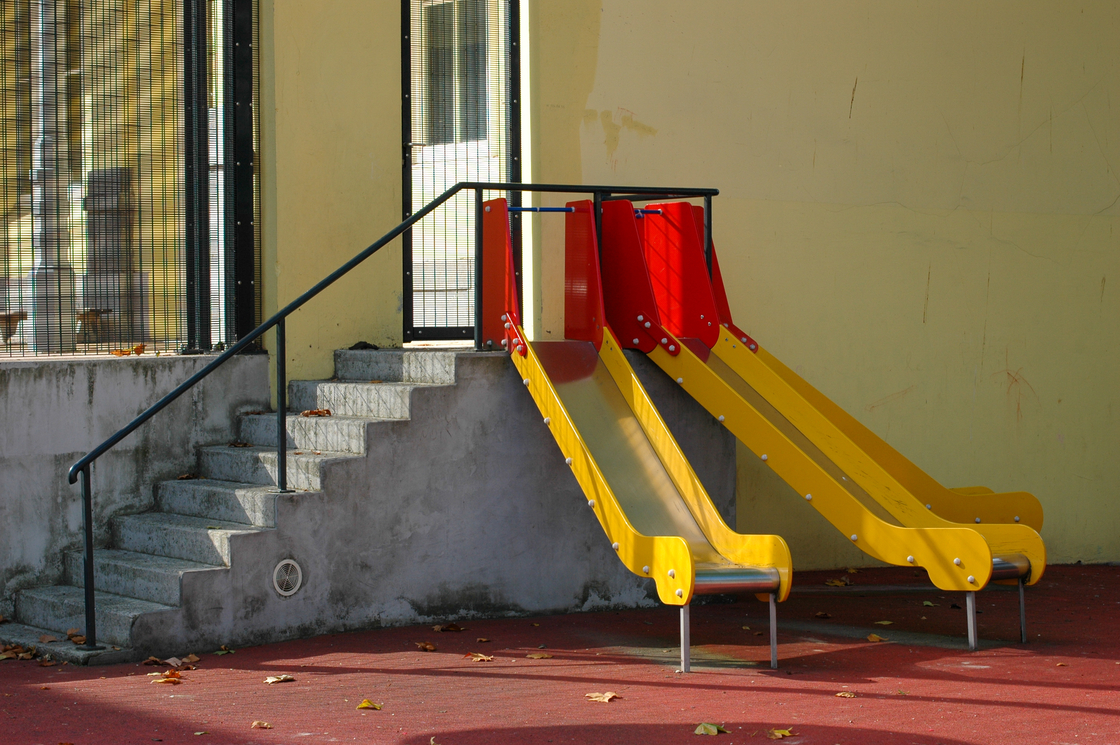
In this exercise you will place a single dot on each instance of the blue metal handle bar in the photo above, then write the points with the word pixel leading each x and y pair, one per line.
pixel 542 209
pixel 647 212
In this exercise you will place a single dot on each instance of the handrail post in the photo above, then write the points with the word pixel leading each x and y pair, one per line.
pixel 478 237
pixel 281 411
pixel 708 232
pixel 598 210
pixel 87 561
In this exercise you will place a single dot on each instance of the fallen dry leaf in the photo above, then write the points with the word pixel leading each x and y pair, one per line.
pixel 850 570
pixel 120 352
pixel 224 650
pixel 479 657
pixel 876 638
pixel 173 661
pixel 260 724
pixel 7 656
pixel 706 728
pixel 448 627
pixel 272 679
pixel 185 476
pixel 482 640
pixel 536 624
pixel 47 639
pixel 845 694
pixel 77 639
pixel 778 734
pixel 929 604
pixel 168 681
pixel 746 628
pixel 47 663
pixel 883 623
pixel 203 732
pixel 822 614
pixel 153 661
pixel 1061 664
pixel 367 704
pixel 316 412
pixel 606 697
pixel 73 632
pixel 539 656
pixel 26 655
pixel 239 444
pixel 842 582
pixel 425 646
pixel 191 658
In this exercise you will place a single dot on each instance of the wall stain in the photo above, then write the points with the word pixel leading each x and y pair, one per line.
pixel 1017 384
pixel 889 399
pixel 612 131
pixel 852 104
pixel 929 274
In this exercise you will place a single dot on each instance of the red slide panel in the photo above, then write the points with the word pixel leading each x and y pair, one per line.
pixel 678 273
pixel 583 286
pixel 718 288
pixel 500 313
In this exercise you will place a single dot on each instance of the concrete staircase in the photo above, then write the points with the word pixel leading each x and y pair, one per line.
pixel 175 579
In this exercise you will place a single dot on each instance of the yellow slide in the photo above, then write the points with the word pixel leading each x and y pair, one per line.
pixel 657 515
pixel 663 299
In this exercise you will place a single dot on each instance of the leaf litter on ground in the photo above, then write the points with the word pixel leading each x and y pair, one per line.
pixel 367 704
pixel 605 697
pixel 479 657
pixel 274 679
pixel 707 728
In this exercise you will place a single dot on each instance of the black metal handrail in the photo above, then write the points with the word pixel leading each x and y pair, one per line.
pixel 600 194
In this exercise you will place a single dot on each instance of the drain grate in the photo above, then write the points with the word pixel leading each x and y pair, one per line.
pixel 287 578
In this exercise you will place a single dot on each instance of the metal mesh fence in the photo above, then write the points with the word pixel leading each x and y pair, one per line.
pixel 93 247
pixel 460 131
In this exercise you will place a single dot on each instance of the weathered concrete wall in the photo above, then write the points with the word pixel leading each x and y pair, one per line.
pixel 466 509
pixel 54 411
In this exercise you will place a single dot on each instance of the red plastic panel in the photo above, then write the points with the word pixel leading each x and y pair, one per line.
pixel 625 280
pixel 679 274
pixel 718 288
pixel 499 282
pixel 583 287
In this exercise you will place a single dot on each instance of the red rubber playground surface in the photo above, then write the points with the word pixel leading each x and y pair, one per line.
pixel 921 685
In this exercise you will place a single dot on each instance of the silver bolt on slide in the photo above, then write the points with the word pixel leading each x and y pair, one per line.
pixel 614 546
pixel 568 461
pixel 765 457
pixel 910 559
pixel 591 503
pixel 645 569
pixel 672 573
pixel 808 497
pixel 957 561
pixel 680 380
pixel 855 537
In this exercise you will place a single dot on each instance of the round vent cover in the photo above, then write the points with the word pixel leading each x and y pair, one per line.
pixel 287 578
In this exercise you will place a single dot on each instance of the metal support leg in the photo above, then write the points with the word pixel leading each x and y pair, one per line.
pixel 1022 610
pixel 773 632
pixel 686 662
pixel 970 609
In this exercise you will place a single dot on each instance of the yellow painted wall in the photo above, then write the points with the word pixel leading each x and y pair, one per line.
pixel 331 171
pixel 918 214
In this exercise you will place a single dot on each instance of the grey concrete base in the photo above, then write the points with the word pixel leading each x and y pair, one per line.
pixel 466 509
pixel 65 650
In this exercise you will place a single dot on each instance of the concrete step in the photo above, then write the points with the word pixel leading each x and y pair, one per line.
pixel 228 501
pixel 257 465
pixel 64 650
pixel 63 607
pixel 200 539
pixel 338 434
pixel 135 575
pixel 378 401
pixel 395 366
